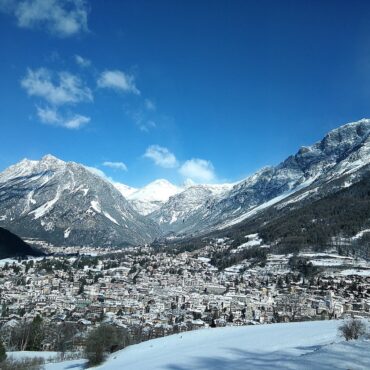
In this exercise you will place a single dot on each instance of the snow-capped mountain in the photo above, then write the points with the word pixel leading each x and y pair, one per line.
pixel 66 204
pixel 339 157
pixel 177 214
pixel 151 197
pixel 125 190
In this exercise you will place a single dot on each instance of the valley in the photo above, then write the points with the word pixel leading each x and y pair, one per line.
pixel 290 243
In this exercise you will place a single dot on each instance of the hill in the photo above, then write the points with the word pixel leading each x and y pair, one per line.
pixel 13 246
pixel 304 345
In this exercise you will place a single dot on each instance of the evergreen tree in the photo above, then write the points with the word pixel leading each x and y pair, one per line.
pixel 2 352
pixel 101 341
pixel 36 335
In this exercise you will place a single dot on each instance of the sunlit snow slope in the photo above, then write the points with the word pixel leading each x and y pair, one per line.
pixel 305 345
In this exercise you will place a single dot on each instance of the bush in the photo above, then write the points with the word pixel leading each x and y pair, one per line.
pixel 352 329
pixel 101 341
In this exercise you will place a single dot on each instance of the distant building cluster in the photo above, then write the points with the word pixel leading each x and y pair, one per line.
pixel 152 294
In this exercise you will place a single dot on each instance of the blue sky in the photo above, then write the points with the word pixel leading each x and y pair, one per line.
pixel 206 90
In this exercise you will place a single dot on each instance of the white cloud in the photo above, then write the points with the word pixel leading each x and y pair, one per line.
pixel 147 125
pixel 48 115
pixel 141 119
pixel 149 105
pixel 76 121
pixel 116 165
pixel 161 156
pixel 118 80
pixel 98 172
pixel 189 182
pixel 82 62
pixel 62 18
pixel 66 89
pixel 51 116
pixel 198 170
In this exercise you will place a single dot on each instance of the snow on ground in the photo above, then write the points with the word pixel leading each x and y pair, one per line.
pixel 46 207
pixel 328 262
pixel 95 205
pixel 305 345
pixel 253 241
pixel 361 234
pixel 18 355
pixel 234 269
pixel 355 272
pixel 67 232
pixel 67 365
pixel 109 217
pixel 50 359
pixel 204 259
pixel 335 260
pixel 10 261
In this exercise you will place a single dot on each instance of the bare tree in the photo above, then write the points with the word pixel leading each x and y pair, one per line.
pixel 352 329
pixel 63 336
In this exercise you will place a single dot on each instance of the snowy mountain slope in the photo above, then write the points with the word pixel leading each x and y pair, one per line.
pixel 152 196
pixel 180 211
pixel 339 158
pixel 303 345
pixel 66 204
pixel 125 190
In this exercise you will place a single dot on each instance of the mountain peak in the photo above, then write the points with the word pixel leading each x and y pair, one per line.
pixel 350 132
pixel 150 197
pixel 160 182
pixel 158 190
pixel 50 158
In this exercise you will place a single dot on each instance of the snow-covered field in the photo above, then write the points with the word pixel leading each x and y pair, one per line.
pixel 305 345
pixel 46 355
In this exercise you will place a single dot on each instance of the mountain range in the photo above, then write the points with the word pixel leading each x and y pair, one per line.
pixel 65 203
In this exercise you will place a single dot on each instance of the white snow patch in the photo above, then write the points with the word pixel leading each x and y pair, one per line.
pixel 46 355
pixel 355 272
pixel 125 190
pixel 253 241
pixel 95 205
pixel 204 259
pixel 67 232
pixel 81 188
pixel 46 207
pixel 173 218
pixel 107 215
pixel 361 234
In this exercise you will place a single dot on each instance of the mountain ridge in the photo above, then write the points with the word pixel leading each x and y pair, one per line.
pixel 344 148
pixel 66 203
